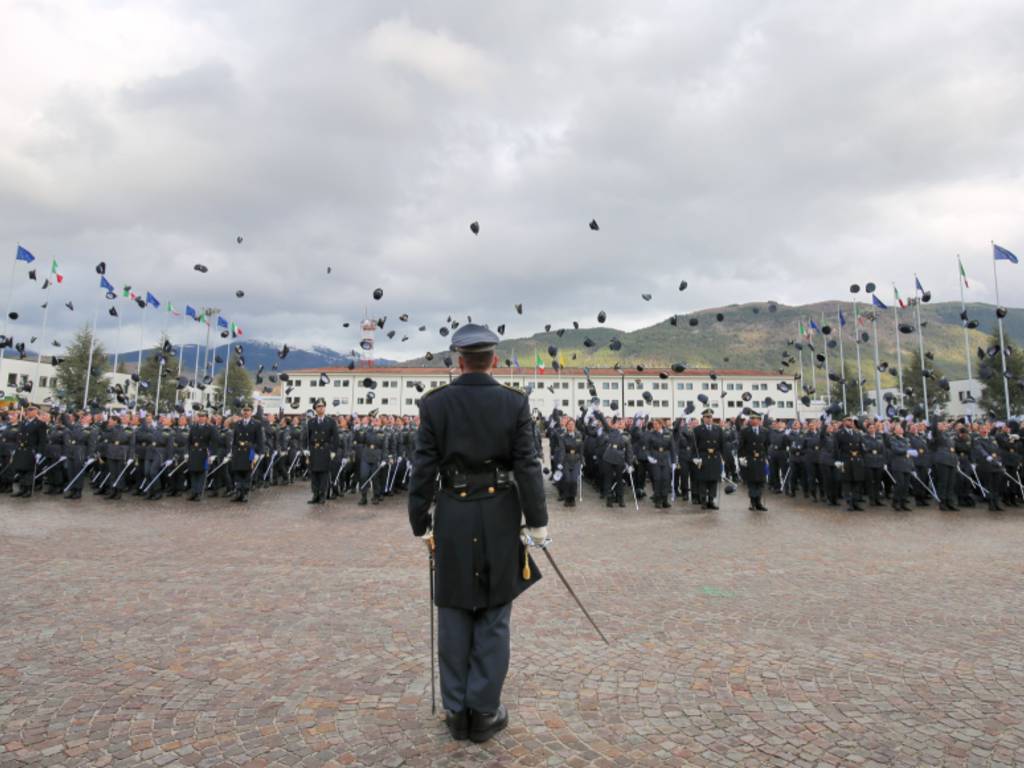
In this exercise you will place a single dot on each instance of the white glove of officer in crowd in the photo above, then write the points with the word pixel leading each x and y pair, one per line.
pixel 698 462
pixel 837 464
pixel 743 461
pixel 651 460
pixel 306 452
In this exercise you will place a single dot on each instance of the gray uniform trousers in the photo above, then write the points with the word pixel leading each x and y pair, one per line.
pixel 474 651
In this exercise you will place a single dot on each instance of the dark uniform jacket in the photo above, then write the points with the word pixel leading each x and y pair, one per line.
pixel 850 451
pixel 31 439
pixel 246 443
pixel 321 440
pixel 661 447
pixel 617 449
pixel 709 443
pixel 201 438
pixel 754 448
pixel 569 452
pixel 476 426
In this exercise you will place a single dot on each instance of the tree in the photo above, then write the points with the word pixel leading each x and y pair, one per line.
pixel 990 371
pixel 71 373
pixel 938 397
pixel 240 386
pixel 151 370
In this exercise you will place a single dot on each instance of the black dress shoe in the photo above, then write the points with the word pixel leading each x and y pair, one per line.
pixel 458 725
pixel 314 500
pixel 194 497
pixel 713 507
pixel 482 727
pixel 761 507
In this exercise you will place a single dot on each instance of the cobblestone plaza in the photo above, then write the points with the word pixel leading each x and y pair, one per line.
pixel 174 634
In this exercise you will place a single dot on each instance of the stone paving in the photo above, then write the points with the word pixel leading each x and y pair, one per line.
pixel 174 634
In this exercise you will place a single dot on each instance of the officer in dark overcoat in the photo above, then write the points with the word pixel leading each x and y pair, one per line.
pixel 201 438
pixel 28 450
pixel 709 443
pixel 246 449
pixel 320 442
pixel 754 446
pixel 477 435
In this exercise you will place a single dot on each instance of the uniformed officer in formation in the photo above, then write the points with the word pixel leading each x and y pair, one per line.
pixel 476 435
pixel 754 446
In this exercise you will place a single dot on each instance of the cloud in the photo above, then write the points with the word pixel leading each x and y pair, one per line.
pixel 758 150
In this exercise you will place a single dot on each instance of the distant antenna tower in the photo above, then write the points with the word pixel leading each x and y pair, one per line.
pixel 369 330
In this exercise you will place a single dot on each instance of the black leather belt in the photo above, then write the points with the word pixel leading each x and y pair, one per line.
pixel 467 483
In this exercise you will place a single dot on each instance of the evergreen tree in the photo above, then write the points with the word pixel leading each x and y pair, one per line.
pixel 240 386
pixel 938 397
pixel 151 370
pixel 71 372
pixel 990 371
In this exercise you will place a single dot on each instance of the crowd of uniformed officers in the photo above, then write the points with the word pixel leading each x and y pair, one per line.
pixel 197 454
pixel 858 460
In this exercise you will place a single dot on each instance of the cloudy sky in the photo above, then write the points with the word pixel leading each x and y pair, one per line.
pixel 759 150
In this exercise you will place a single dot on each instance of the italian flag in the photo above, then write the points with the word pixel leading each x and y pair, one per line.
pixel 236 330
pixel 537 361
pixel 54 269
pixel 128 293
pixel 963 275
pixel 901 302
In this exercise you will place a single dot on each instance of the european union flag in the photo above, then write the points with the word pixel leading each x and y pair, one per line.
pixel 917 284
pixel 1001 254
pixel 842 319
pixel 814 327
pixel 222 323
pixel 105 284
pixel 877 302
pixel 24 255
pixel 151 299
pixel 190 312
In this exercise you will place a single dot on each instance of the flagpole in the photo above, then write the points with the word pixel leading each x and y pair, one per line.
pixel 227 369
pixel 1002 345
pixel 967 340
pixel 842 355
pixel 920 350
pixel 117 341
pixel 195 374
pixel 828 374
pixel 899 352
pixel 801 353
pixel 814 370
pixel 878 374
pixel 7 312
pixel 88 368
pixel 159 377
pixel 142 333
pixel 42 339
pixel 860 375
pixel 181 355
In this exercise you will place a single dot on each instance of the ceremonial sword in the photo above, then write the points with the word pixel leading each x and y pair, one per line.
pixel 543 545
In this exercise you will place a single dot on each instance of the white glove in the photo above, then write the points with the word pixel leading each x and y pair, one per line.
pixel 168 463
pixel 988 458
pixel 332 455
pixel 559 466
pixel 743 461
pixel 697 462
pixel 39 457
pixel 838 464
pixel 557 476
pixel 629 469
pixel 535 537
pixel 428 539
pixel 974 466
pixel 912 452
pixel 651 460
pixel 228 457
pixel 305 452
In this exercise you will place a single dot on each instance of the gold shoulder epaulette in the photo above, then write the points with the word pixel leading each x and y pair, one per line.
pixel 517 390
pixel 438 388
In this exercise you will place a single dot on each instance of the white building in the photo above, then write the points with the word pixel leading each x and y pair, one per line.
pixel 394 390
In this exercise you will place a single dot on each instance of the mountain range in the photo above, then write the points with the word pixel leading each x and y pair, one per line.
pixel 753 336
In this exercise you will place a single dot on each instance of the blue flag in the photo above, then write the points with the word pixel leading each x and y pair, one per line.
pixel 842 319
pixel 917 284
pixel 222 323
pixel 814 327
pixel 151 299
pixel 1000 254
pixel 877 302
pixel 105 284
pixel 24 255
pixel 515 360
pixel 190 312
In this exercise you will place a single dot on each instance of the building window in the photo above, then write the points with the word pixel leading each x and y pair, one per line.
pixel 615 385
pixel 337 382
pixel 12 379
pixel 580 385
pixel 408 401
pixel 631 386
pixel 565 403
pixel 606 385
pixel 604 403
pixel 714 385
pixel 360 401
pixel 383 401
pixel 704 385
